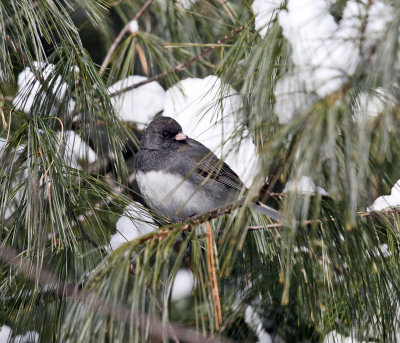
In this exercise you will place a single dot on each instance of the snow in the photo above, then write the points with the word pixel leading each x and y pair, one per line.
pixel 383 250
pixel 302 249
pixel 11 205
pixel 138 105
pixel 77 150
pixel 183 285
pixel 369 105
pixel 335 337
pixel 379 15
pixel 2 145
pixel 252 319
pixel 387 201
pixel 264 11
pixel 208 112
pixel 291 98
pixel 305 186
pixel 133 26
pixel 5 333
pixel 28 337
pixel 29 88
pixel 325 54
pixel 185 4
pixel 71 106
pixel 325 60
pixel 134 223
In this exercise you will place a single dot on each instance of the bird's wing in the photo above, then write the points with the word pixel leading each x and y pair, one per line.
pixel 210 166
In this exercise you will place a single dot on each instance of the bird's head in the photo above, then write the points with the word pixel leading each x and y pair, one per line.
pixel 163 133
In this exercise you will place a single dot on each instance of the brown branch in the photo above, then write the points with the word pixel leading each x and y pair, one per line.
pixel 364 26
pixel 227 10
pixel 180 67
pixel 144 8
pixel 119 312
pixel 198 219
pixel 280 225
pixel 30 271
pixel 201 218
pixel 124 31
pixel 191 221
pixel 331 219
pixel 213 277
pixel 160 309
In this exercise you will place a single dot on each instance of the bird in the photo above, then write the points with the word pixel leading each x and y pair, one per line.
pixel 179 177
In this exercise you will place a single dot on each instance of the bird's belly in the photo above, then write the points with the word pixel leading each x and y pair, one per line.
pixel 172 196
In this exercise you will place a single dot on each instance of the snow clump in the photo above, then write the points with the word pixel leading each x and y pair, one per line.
pixel 369 105
pixel 325 54
pixel 29 87
pixel 138 105
pixel 336 337
pixel 76 150
pixel 304 186
pixel 183 285
pixel 134 223
pixel 133 26
pixel 387 201
pixel 264 11
pixel 323 57
pixel 252 318
pixel 5 333
pixel 28 337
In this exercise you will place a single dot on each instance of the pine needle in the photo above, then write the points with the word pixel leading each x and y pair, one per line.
pixel 213 277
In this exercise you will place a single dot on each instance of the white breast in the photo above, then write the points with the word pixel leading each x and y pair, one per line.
pixel 172 196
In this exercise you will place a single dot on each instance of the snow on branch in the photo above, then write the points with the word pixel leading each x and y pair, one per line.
pixel 325 53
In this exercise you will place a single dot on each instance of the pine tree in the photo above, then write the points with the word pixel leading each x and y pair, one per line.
pixel 318 88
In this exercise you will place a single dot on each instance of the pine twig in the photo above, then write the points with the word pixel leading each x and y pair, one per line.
pixel 121 35
pixel 364 26
pixel 215 213
pixel 120 312
pixel 33 6
pixel 180 67
pixel 331 219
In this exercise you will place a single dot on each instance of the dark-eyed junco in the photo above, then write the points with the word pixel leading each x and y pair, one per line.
pixel 180 177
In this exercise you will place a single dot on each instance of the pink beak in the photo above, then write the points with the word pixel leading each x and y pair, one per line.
pixel 180 136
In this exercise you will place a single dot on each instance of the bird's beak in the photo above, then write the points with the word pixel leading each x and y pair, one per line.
pixel 180 136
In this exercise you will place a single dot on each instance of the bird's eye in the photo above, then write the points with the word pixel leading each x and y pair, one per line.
pixel 165 134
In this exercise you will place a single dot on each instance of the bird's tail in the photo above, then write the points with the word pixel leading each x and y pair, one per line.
pixel 267 211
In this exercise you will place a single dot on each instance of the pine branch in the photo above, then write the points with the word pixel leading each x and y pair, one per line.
pixel 180 67
pixel 388 213
pixel 215 213
pixel 126 29
pixel 33 6
pixel 364 26
pixel 177 69
pixel 38 75
pixel 120 312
